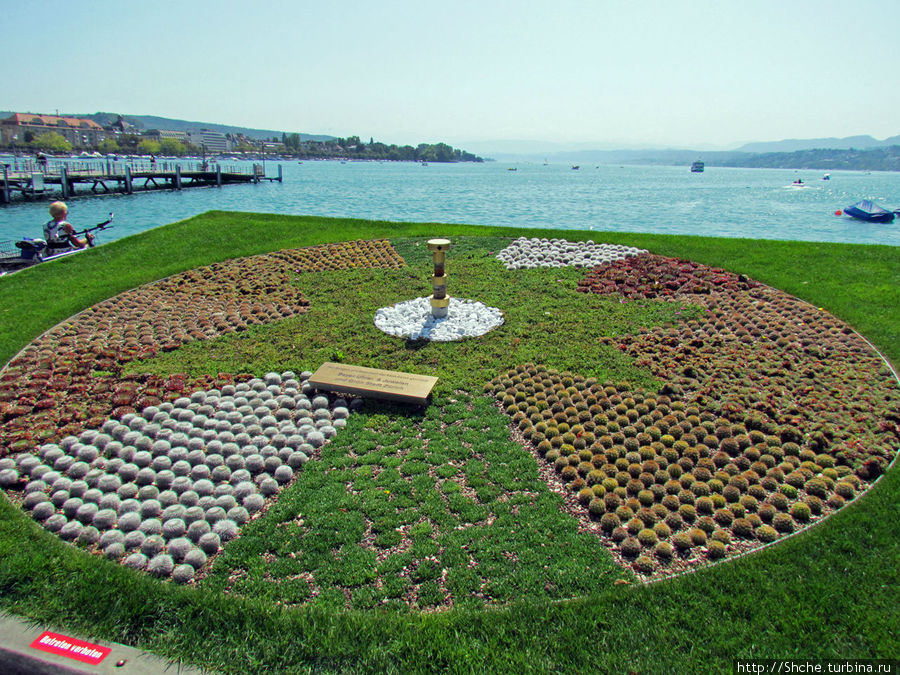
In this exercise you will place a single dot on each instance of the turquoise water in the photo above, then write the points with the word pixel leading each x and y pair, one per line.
pixel 757 203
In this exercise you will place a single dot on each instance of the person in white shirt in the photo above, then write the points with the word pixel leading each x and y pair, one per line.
pixel 59 231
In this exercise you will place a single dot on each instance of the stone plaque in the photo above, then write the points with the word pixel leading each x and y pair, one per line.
pixel 392 385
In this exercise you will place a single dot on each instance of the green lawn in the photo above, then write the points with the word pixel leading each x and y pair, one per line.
pixel 828 593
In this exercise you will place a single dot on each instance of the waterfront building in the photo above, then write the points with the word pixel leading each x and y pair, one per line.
pixel 209 141
pixel 22 128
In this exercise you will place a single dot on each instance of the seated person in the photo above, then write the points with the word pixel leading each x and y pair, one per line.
pixel 59 231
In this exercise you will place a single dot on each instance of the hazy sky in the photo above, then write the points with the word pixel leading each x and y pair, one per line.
pixel 671 72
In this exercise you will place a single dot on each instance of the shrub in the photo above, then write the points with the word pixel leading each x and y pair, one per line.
pixel 814 503
pixel 783 522
pixel 585 496
pixel 766 512
pixel 707 524
pixel 845 490
pixel 723 517
pixel 664 551
pixel 817 487
pixel 715 550
pixel 644 564
pixel 619 535
pixel 647 538
pixel 704 505
pixel 609 522
pixel 766 534
pixel 788 491
pixel 674 521
pixel 663 531
pixel 742 528
pixel 630 547
pixel 682 542
pixel 801 512
pixel 697 536
pixel 721 535
pixel 687 512
pixel 779 501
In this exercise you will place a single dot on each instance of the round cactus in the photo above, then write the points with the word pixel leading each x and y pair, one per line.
pixel 782 522
pixel 742 528
pixel 643 564
pixel 766 533
pixel 715 550
pixel 630 547
pixel 682 542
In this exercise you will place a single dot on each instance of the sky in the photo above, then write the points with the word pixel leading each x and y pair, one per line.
pixel 599 74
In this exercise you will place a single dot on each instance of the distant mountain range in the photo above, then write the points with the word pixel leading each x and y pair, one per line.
pixel 793 144
pixel 605 153
pixel 146 122
pixel 851 152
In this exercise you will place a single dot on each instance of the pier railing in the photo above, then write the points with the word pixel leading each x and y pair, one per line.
pixel 31 177
pixel 26 166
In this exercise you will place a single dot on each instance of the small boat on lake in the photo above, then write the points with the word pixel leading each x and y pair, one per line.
pixel 698 167
pixel 27 252
pixel 870 212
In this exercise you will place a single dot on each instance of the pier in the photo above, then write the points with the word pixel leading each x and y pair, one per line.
pixel 31 178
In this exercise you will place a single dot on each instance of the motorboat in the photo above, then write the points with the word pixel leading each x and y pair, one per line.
pixel 698 167
pixel 870 212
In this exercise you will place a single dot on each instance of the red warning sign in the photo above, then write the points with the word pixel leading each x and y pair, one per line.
pixel 72 648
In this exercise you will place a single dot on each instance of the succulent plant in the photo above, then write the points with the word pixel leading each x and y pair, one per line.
pixel 766 533
pixel 800 512
pixel 782 522
pixel 715 550
pixel 683 542
pixel 630 547
pixel 644 564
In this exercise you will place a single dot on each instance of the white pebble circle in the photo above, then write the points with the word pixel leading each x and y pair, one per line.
pixel 413 320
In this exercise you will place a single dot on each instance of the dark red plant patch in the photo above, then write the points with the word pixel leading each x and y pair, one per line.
pixel 71 378
pixel 653 276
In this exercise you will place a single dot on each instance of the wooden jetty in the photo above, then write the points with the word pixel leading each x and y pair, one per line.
pixel 31 178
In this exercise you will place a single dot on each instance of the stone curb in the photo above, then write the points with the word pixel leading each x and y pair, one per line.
pixel 18 657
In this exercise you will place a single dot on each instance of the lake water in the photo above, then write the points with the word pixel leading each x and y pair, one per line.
pixel 757 203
